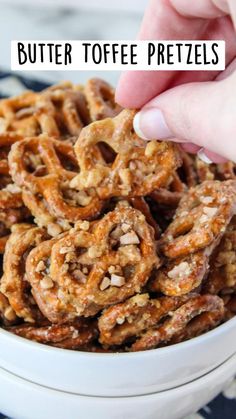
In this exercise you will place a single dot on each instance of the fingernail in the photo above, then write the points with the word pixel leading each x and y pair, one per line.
pixel 150 124
pixel 202 156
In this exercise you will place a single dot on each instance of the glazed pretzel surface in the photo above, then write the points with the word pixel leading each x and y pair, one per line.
pixel 90 270
pixel 7 313
pixel 14 283
pixel 129 244
pixel 178 321
pixel 43 168
pixel 12 209
pixel 222 275
pixel 70 110
pixel 201 219
pixel 101 99
pixel 60 112
pixel 222 171
pixel 129 319
pixel 27 115
pixel 76 335
pixel 203 213
pixel 138 168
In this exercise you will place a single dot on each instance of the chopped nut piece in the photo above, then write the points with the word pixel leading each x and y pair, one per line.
pixel 117 281
pixel 65 249
pixel 41 266
pixel 12 188
pixel 46 283
pixel 129 253
pixel 111 269
pixel 82 225
pixel 125 227
pixel 180 271
pixel 79 275
pixel 141 300
pixel 105 283
pixel 210 211
pixel 82 198
pixel 115 234
pixel 129 238
pixel 94 252
pixel 54 229
pixel 120 320
pixel 151 148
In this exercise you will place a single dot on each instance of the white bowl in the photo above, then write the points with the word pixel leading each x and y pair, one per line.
pixel 22 399
pixel 119 374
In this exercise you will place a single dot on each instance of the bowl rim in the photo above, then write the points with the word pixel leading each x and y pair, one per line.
pixel 139 354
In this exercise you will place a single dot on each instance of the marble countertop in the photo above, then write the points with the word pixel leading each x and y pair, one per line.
pixel 21 21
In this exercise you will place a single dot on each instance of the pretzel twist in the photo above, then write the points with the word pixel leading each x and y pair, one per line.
pixel 60 112
pixel 90 270
pixel 125 321
pixel 27 115
pixel 201 219
pixel 101 99
pixel 222 171
pixel 77 335
pixel 178 321
pixel 70 110
pixel 222 275
pixel 43 168
pixel 202 215
pixel 138 168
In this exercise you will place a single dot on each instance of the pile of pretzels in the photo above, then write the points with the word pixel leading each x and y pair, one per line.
pixel 108 243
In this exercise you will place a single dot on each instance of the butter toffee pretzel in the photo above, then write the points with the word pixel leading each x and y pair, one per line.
pixel 109 242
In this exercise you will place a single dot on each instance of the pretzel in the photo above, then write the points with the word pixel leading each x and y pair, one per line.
pixel 182 275
pixel 76 335
pixel 70 109
pixel 27 115
pixel 189 253
pixel 201 324
pixel 178 321
pixel 90 270
pixel 43 168
pixel 125 321
pixel 101 99
pixel 14 282
pixel 139 167
pixel 222 276
pixel 202 216
pixel 12 208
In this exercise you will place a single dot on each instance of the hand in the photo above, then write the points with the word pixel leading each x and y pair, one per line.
pixel 198 108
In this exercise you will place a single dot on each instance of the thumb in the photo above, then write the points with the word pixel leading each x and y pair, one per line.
pixel 200 113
